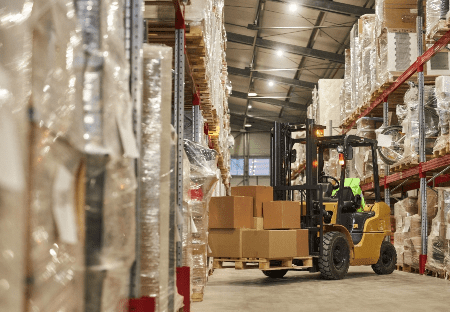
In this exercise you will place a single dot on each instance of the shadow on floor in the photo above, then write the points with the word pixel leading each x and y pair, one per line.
pixel 293 278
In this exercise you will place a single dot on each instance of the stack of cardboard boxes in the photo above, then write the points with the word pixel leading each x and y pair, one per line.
pixel 249 224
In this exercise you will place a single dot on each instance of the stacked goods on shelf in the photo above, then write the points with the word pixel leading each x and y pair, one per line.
pixel 111 147
pixel 443 108
pixel 367 77
pixel 407 236
pixel 437 239
pixel 366 128
pixel 15 88
pixel 157 145
pixel 328 105
pixel 203 178
pixel 436 16
pixel 312 109
pixel 214 97
pixel 409 116
pixel 346 101
pixel 249 224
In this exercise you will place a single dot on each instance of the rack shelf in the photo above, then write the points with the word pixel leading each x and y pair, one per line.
pixel 392 87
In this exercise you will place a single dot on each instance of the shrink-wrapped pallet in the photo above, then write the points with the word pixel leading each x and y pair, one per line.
pixel 411 122
pixel 403 211
pixel 355 50
pixel 155 174
pixel 203 179
pixel 328 106
pixel 367 43
pixel 412 240
pixel 56 213
pixel 437 248
pixel 396 52
pixel 347 107
pixel 15 88
pixel 110 146
pixel 435 11
pixel 442 92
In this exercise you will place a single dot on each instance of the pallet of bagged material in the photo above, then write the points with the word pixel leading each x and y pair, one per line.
pixel 263 263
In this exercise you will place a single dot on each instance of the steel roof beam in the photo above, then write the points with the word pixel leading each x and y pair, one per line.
pixel 331 7
pixel 278 79
pixel 242 95
pixel 289 48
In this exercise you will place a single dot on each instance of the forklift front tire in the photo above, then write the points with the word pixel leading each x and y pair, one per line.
pixel 388 259
pixel 334 263
pixel 275 273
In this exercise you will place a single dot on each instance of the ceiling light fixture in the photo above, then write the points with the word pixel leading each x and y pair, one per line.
pixel 279 53
pixel 292 7
pixel 249 106
pixel 248 125
pixel 252 92
pixel 270 83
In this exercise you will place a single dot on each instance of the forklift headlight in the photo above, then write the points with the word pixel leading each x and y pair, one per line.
pixel 340 149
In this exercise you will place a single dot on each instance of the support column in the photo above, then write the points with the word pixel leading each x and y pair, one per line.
pixel 422 156
pixel 179 127
pixel 197 124
pixel 387 192
pixel 246 161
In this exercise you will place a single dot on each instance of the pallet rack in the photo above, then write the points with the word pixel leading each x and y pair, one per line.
pixel 425 173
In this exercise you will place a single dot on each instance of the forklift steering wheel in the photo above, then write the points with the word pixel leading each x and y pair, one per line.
pixel 336 186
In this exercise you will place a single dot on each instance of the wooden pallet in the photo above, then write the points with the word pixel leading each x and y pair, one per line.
pixel 262 263
pixel 444 150
pixel 436 273
pixel 438 31
pixel 407 268
pixel 197 297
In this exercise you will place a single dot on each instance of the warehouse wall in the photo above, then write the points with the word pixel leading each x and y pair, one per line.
pixel 259 146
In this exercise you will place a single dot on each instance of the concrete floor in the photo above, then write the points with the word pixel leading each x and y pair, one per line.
pixel 362 290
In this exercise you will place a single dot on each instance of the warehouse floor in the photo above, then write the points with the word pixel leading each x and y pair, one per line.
pixel 362 290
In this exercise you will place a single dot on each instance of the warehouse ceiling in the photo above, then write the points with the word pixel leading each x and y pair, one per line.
pixel 279 50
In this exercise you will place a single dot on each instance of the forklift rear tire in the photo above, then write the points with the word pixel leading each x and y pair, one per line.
pixel 387 261
pixel 275 273
pixel 334 263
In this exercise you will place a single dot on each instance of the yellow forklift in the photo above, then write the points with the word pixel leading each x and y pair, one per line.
pixel 339 234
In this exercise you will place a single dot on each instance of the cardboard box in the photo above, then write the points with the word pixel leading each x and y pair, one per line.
pixel 281 215
pixel 260 195
pixel 269 244
pixel 231 212
pixel 302 243
pixel 400 15
pixel 258 223
pixel 226 242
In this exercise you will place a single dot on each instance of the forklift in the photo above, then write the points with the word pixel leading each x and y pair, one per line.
pixel 338 234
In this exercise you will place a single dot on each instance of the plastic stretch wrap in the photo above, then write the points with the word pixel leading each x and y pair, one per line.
pixel 411 122
pixel 329 105
pixel 366 128
pixel 379 16
pixel 107 107
pixel 56 222
pixel 56 81
pixel 313 108
pixel 436 10
pixel 443 108
pixel 412 240
pixel 15 88
pixel 203 179
pixel 347 109
pixel 108 140
pixel 355 48
pixel 396 52
pixel 155 172
pixel 367 43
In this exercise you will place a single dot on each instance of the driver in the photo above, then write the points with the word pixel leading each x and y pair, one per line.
pixel 353 183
